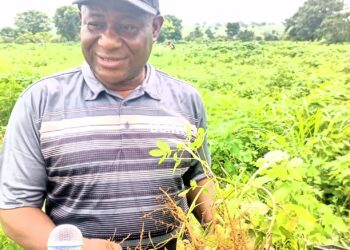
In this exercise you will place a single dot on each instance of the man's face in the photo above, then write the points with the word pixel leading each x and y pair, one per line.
pixel 116 41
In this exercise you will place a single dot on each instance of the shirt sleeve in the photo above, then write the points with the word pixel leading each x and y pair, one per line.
pixel 197 172
pixel 22 167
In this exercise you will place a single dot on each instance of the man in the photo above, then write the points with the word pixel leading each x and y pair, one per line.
pixel 80 140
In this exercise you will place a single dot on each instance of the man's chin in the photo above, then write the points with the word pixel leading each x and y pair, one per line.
pixel 111 80
pixel 106 75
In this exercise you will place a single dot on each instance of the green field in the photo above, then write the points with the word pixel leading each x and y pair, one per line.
pixel 290 99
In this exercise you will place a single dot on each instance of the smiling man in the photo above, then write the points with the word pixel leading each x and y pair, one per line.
pixel 80 140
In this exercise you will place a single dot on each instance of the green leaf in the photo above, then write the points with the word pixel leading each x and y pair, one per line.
pixel 304 217
pixel 335 222
pixel 168 154
pixel 177 161
pixel 175 157
pixel 340 226
pixel 162 159
pixel 279 172
pixel 294 173
pixel 261 181
pixel 286 233
pixel 260 162
pixel 156 153
pixel 295 163
pixel 177 164
pixel 180 146
pixel 198 142
pixel 235 148
pixel 163 146
pixel 205 191
pixel 281 194
pixel 259 240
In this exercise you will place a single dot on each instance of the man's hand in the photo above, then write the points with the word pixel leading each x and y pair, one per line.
pixel 99 244
pixel 204 204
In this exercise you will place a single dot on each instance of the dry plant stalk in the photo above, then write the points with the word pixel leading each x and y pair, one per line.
pixel 224 233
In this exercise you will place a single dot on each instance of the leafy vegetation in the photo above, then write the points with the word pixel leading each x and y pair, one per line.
pixel 306 23
pixel 232 29
pixel 32 21
pixel 336 28
pixel 265 101
pixel 67 22
pixel 293 97
pixel 172 29
pixel 6 243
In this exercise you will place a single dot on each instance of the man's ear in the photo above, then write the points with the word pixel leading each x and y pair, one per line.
pixel 157 26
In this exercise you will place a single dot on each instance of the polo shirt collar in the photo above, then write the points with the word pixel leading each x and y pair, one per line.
pixel 91 81
pixel 150 85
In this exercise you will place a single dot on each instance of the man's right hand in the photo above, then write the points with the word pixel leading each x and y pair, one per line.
pixel 99 244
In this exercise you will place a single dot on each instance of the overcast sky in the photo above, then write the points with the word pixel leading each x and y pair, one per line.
pixel 190 11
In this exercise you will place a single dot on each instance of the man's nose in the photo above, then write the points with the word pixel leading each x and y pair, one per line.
pixel 110 39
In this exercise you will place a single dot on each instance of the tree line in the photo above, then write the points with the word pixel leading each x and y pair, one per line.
pixel 36 27
pixel 316 20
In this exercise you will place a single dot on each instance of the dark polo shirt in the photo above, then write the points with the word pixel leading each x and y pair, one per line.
pixel 85 150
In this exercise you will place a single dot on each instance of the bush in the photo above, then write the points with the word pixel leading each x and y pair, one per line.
pixel 10 88
pixel 246 35
pixel 271 36
pixel 41 37
pixel 24 38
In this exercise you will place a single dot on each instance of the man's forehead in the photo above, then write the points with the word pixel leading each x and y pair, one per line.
pixel 99 8
pixel 144 6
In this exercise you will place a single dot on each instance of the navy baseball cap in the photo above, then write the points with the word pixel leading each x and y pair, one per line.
pixel 149 6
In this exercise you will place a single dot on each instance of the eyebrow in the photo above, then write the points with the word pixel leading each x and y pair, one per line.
pixel 95 14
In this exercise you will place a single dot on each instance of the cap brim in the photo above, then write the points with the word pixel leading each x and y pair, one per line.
pixel 137 3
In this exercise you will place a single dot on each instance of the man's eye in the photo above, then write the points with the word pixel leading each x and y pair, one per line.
pixel 128 29
pixel 95 26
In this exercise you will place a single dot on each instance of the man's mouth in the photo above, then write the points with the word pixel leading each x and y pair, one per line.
pixel 108 58
pixel 109 62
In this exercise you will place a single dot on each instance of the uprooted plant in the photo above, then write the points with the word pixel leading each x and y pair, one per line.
pixel 271 208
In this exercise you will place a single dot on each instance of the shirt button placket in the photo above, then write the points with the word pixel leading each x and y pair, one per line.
pixel 126 124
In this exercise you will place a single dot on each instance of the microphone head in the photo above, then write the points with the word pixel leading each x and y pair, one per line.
pixel 65 237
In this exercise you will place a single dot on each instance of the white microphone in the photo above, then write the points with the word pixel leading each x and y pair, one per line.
pixel 65 237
